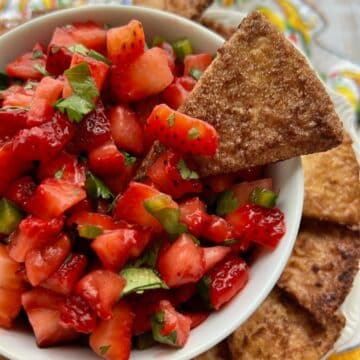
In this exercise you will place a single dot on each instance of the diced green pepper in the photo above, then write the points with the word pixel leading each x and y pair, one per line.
pixel 182 48
pixel 226 203
pixel 10 216
pixel 158 206
pixel 157 323
pixel 140 279
pixel 89 231
pixel 158 40
pixel 144 341
pixel 195 73
pixel 263 197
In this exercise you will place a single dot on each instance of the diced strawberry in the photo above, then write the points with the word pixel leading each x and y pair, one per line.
pixel 174 95
pixel 130 206
pixel 84 205
pixel 92 131
pixel 243 190
pixel 106 160
pixel 98 71
pixel 42 263
pixel 116 247
pixel 33 234
pixel 181 132
pixel 126 129
pixel 44 141
pixel 58 59
pixel 196 318
pixel 111 339
pixel 147 75
pixel 143 108
pixel 224 281
pixel 62 38
pixel 65 167
pixel 24 67
pixel 257 224
pixel 11 167
pixel 182 294
pixel 217 230
pixel 101 289
pixel 193 215
pixel 20 191
pixel 198 62
pixel 16 95
pixel 49 89
pixel 169 326
pixel 89 34
pixel 83 218
pixel 220 183
pixel 53 197
pixel 11 287
pixel 40 112
pixel 170 53
pixel 63 280
pixel 75 313
pixel 214 254
pixel 11 121
pixel 118 183
pixel 187 82
pixel 125 43
pixel 42 307
pixel 182 263
pixel 165 173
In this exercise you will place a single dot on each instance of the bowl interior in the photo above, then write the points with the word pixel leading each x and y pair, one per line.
pixel 288 178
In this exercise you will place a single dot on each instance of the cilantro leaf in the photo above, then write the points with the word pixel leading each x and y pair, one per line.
pixel 96 189
pixel 104 349
pixel 185 172
pixel 58 175
pixel 193 133
pixel 97 56
pixel 129 159
pixel 79 48
pixel 81 82
pixel 37 54
pixel 75 107
pixel 227 203
pixel 30 84
pixel 83 50
pixel 140 279
pixel 41 69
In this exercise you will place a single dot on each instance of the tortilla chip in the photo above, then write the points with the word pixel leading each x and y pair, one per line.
pixel 332 186
pixel 265 101
pixel 280 329
pixel 322 267
pixel 191 9
pixel 218 352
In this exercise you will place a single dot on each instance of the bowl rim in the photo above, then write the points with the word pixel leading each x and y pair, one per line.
pixel 295 162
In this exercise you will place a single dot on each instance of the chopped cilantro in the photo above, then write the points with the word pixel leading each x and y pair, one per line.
pixel 41 69
pixel 79 48
pixel 185 172
pixel 30 84
pixel 95 188
pixel 83 50
pixel 97 56
pixel 59 174
pixel 195 73
pixel 227 203
pixel 171 120
pixel 104 349
pixel 37 54
pixel 129 159
pixel 75 107
pixel 193 133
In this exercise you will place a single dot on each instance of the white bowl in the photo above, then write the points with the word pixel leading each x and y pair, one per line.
pixel 288 178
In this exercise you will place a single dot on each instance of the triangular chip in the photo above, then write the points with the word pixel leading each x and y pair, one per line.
pixel 264 99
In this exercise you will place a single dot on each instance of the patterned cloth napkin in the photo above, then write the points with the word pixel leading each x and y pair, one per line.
pixel 301 23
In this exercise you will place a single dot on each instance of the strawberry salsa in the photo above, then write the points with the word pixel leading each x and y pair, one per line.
pixel 87 251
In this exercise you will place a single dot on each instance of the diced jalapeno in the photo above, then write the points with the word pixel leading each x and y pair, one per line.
pixel 158 40
pixel 10 216
pixel 157 324
pixel 226 203
pixel 89 231
pixel 263 197
pixel 182 48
